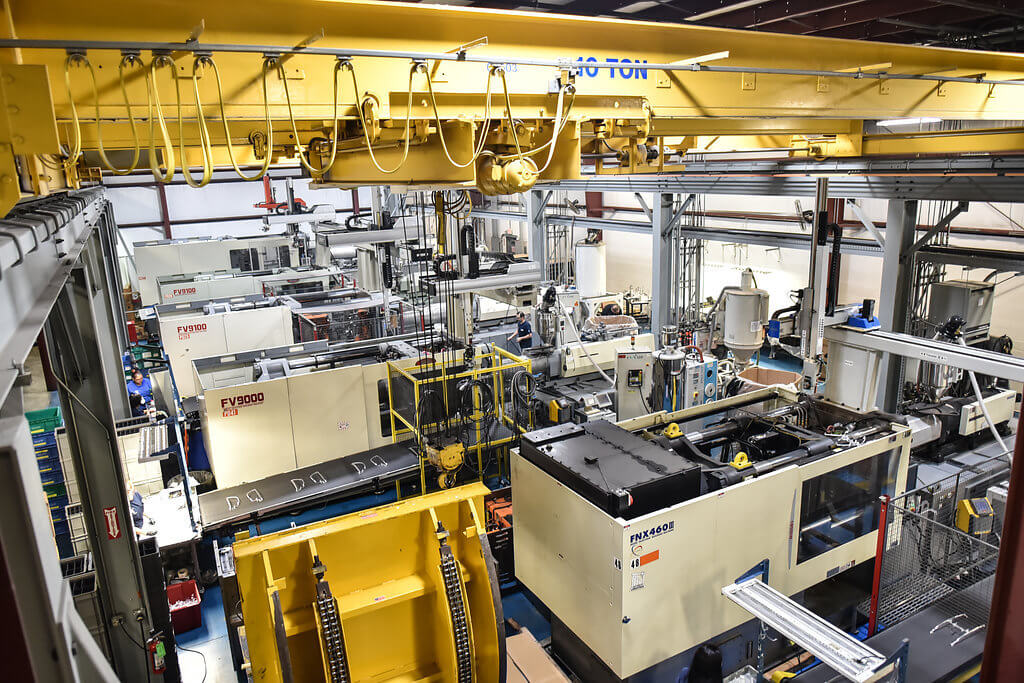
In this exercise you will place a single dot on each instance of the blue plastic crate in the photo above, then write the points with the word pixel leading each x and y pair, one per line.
pixel 57 505
pixel 51 475
pixel 65 548
pixel 48 460
pixel 60 527
pixel 44 439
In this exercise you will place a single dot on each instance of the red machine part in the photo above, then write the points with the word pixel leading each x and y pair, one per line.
pixel 1004 641
pixel 499 513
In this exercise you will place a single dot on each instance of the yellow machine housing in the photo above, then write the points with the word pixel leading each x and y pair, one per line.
pixel 474 104
pixel 395 578
pixel 975 516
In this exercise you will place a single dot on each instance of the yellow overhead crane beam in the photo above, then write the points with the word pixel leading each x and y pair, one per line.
pixel 430 79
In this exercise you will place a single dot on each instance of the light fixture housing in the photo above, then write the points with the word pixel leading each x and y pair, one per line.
pixel 889 123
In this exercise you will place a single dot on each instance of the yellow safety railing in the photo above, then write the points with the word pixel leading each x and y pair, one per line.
pixel 492 367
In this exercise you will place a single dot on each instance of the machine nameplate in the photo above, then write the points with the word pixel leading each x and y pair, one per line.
pixel 186 331
pixel 648 534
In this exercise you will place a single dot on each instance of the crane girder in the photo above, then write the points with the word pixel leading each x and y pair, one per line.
pixel 633 89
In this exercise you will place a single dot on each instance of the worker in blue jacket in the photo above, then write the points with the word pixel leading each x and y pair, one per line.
pixel 141 385
pixel 524 332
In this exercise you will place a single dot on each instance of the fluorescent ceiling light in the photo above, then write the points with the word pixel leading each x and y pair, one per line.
pixel 637 7
pixel 724 10
pixel 889 123
pixel 700 59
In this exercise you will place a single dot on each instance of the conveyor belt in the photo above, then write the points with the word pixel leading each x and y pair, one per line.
pixel 332 479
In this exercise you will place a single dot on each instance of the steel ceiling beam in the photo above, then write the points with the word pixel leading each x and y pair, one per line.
pixel 885 24
pixel 770 13
pixel 1002 8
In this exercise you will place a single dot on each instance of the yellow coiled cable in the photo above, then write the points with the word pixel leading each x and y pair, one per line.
pixel 153 99
pixel 205 147
pixel 126 60
pixel 267 62
pixel 362 118
pixel 478 148
pixel 75 149
pixel 317 172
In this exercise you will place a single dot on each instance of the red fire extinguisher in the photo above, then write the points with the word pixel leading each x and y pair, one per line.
pixel 157 654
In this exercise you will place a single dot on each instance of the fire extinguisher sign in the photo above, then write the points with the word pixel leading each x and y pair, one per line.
pixel 113 525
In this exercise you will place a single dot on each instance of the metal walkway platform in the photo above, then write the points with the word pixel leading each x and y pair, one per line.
pixel 833 646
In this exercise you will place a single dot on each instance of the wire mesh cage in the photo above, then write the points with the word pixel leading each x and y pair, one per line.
pixel 939 558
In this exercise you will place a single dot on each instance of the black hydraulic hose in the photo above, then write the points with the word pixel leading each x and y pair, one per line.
pixel 832 284
pixel 387 271
pixel 728 475
pixel 349 222
pixel 467 243
pixel 795 308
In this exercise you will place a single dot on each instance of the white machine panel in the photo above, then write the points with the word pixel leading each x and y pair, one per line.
pixel 640 591
pixel 186 338
pixel 1000 409
pixel 171 257
pixel 328 417
pixel 632 383
pixel 246 437
pixel 216 288
pixel 288 422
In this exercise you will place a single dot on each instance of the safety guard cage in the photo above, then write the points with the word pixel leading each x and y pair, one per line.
pixel 407 390
pixel 924 562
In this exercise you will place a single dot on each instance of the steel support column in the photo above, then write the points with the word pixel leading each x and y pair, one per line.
pixel 894 299
pixel 101 257
pixel 45 638
pixel 812 312
pixel 80 366
pixel 661 265
pixel 111 263
pixel 537 229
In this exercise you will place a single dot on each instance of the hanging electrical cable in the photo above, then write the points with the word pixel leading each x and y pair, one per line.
pixel 267 65
pixel 558 126
pixel 360 101
pixel 75 148
pixel 508 114
pixel 479 146
pixel 317 172
pixel 153 98
pixel 205 148
pixel 126 61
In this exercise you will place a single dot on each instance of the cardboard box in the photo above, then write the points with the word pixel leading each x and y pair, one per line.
pixel 766 377
pixel 529 663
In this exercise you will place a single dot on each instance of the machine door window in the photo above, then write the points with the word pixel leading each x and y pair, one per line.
pixel 245 260
pixel 284 256
pixel 842 505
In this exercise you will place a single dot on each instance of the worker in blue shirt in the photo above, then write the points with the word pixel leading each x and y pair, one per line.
pixel 524 332
pixel 140 385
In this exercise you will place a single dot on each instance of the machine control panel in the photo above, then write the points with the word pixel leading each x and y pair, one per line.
pixel 701 382
pixel 633 383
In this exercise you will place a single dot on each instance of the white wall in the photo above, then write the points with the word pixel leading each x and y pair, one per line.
pixel 780 271
pixel 142 205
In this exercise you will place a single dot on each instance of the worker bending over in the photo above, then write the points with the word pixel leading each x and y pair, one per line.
pixel 524 332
